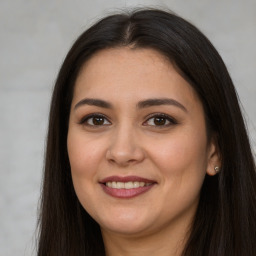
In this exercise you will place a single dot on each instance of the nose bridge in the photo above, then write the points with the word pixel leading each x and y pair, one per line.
pixel 124 145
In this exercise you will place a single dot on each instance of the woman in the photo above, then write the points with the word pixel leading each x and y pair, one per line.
pixel 147 151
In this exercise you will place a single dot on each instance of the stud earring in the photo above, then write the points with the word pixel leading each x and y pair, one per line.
pixel 216 169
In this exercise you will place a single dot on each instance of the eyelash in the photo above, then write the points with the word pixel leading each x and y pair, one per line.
pixel 165 117
pixel 85 119
pixel 171 120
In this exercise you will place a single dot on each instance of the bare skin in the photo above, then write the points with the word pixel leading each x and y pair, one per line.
pixel 134 117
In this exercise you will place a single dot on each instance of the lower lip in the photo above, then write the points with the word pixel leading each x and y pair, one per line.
pixel 126 193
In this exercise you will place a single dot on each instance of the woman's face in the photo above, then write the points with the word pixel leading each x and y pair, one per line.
pixel 137 143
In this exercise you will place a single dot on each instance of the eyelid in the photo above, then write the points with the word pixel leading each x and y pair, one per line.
pixel 172 120
pixel 85 118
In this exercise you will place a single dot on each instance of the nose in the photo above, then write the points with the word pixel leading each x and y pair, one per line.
pixel 125 148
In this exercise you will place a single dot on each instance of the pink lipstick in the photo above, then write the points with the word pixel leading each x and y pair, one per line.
pixel 126 187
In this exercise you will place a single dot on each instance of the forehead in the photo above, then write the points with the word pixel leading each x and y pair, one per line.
pixel 131 73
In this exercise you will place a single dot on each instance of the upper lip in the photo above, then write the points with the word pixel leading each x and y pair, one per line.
pixel 126 179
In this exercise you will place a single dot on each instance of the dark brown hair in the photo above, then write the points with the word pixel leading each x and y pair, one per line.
pixel 225 222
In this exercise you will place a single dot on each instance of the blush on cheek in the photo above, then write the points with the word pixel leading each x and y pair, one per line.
pixel 79 154
pixel 180 159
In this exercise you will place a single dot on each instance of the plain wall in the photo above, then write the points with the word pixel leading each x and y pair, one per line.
pixel 34 38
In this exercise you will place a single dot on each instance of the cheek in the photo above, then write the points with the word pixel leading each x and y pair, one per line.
pixel 181 156
pixel 181 162
pixel 84 154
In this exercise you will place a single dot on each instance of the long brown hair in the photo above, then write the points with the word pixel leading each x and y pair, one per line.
pixel 225 222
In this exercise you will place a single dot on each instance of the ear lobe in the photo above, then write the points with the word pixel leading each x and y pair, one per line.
pixel 214 159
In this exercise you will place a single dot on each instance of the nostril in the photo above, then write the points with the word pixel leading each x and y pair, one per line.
pixel 124 155
pixel 112 160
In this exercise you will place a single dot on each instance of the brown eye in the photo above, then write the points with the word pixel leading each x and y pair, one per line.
pixel 160 120
pixel 95 120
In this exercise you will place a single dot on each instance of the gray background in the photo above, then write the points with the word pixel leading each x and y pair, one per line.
pixel 34 38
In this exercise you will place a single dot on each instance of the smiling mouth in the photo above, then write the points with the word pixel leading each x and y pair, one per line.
pixel 126 187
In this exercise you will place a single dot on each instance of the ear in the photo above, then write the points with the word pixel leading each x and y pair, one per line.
pixel 214 159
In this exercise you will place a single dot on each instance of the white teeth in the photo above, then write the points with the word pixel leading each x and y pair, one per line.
pixel 136 184
pixel 118 185
pixel 126 185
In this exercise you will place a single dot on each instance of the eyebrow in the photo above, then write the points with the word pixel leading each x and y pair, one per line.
pixel 159 102
pixel 141 104
pixel 93 102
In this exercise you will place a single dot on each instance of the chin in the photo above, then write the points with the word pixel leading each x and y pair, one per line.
pixel 126 223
